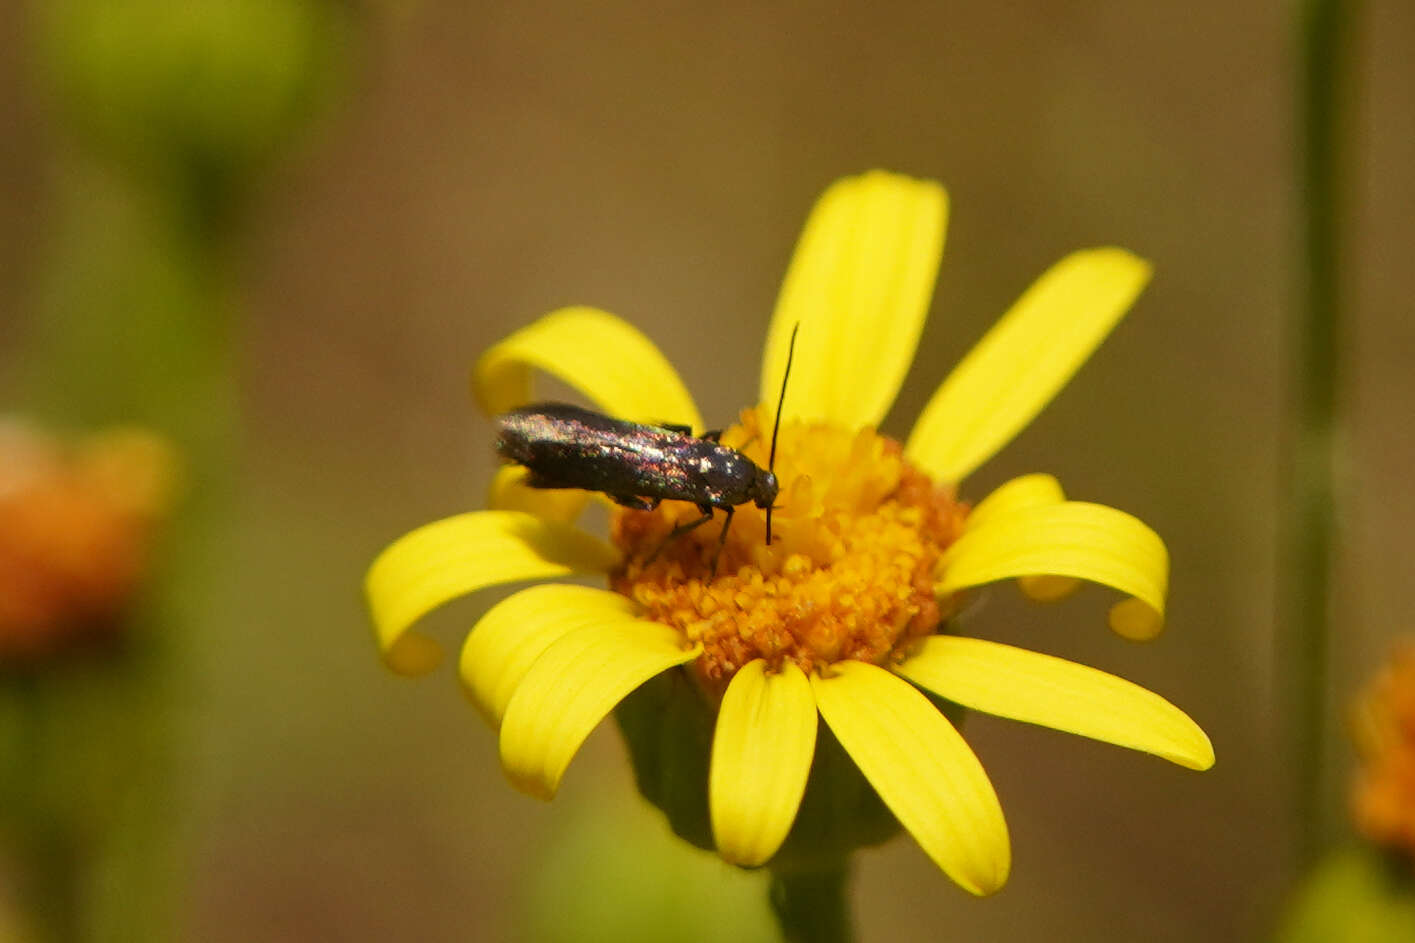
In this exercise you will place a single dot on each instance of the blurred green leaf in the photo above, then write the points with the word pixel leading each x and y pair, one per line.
pixel 1359 895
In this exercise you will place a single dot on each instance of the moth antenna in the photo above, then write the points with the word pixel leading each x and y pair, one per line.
pixel 776 427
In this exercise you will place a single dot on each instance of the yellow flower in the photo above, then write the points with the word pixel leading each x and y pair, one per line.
pixel 841 615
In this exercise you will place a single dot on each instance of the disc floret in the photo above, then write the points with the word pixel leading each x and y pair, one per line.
pixel 850 573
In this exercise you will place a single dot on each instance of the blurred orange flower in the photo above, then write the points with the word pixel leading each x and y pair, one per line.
pixel 75 528
pixel 1383 797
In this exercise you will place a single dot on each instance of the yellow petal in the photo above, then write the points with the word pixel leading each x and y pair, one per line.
pixel 1027 491
pixel 761 757
pixel 571 687
pixel 516 631
pixel 1025 359
pixel 1048 588
pixel 1040 689
pixel 449 558
pixel 859 285
pixel 508 492
pixel 1074 539
pixel 1135 620
pixel 605 358
pixel 922 769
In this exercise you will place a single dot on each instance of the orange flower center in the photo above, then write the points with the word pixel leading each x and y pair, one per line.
pixel 857 533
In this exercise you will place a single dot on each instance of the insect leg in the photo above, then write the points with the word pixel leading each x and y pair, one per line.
pixel 722 538
pixel 676 427
pixel 635 502
pixel 682 529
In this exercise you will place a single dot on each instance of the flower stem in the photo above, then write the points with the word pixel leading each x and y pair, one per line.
pixel 46 859
pixel 49 887
pixel 132 328
pixel 1310 517
pixel 813 906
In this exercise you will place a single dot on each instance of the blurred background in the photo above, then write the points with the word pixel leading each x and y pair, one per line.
pixel 426 177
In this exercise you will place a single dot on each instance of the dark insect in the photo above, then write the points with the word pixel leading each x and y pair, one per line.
pixel 637 465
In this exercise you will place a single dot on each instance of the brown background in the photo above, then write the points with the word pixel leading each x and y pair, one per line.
pixel 490 162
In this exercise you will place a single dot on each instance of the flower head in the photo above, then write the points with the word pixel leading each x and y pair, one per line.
pixel 76 528
pixel 844 616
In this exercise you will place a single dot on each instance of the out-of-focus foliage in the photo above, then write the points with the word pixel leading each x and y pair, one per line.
pixel 1356 896
pixel 194 92
pixel 168 113
pixel 492 161
pixel 616 875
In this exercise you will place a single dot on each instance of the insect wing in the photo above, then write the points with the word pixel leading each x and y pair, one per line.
pixel 566 446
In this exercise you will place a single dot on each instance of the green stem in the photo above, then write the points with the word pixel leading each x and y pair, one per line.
pixel 813 906
pixel 50 886
pixel 48 871
pixel 132 328
pixel 1310 517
